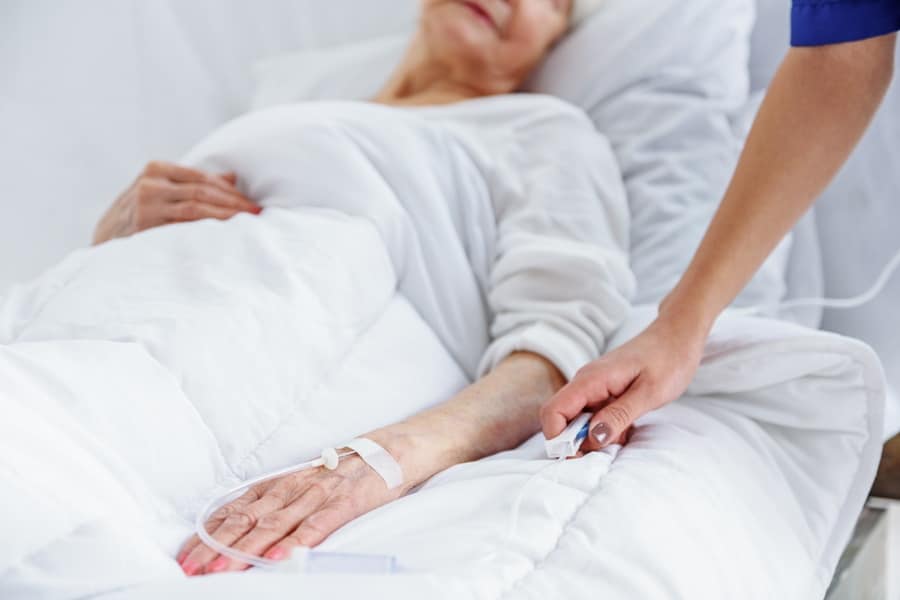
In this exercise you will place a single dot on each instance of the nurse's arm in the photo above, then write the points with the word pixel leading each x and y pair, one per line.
pixel 817 108
pixel 819 105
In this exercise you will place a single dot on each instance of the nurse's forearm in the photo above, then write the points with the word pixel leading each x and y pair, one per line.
pixel 817 108
pixel 496 413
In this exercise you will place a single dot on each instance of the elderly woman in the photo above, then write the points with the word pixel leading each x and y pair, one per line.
pixel 558 280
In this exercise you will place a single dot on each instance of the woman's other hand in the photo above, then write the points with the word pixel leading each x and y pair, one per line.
pixel 300 509
pixel 167 193
pixel 647 373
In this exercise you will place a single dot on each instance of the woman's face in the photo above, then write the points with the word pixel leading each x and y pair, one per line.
pixel 492 45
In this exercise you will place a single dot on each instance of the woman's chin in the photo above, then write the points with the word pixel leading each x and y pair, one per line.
pixel 460 34
pixel 461 44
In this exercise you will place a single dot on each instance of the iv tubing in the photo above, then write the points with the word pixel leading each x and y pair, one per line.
pixel 215 503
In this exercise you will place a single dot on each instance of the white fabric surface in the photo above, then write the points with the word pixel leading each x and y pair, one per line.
pixel 144 374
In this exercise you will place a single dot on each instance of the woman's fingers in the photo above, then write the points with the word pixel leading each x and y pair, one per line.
pixel 144 204
pixel 239 519
pixel 183 212
pixel 187 548
pixel 202 193
pixel 181 174
pixel 314 529
pixel 301 509
pixel 277 524
pixel 157 202
pixel 194 550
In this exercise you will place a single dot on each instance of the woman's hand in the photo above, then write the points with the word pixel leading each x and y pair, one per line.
pixel 301 509
pixel 648 372
pixel 166 193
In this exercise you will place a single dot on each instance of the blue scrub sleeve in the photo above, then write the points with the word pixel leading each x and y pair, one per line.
pixel 821 22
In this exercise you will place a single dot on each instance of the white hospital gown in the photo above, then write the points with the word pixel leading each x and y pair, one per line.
pixel 559 282
pixel 505 217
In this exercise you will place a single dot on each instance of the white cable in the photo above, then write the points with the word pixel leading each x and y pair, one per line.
pixel 834 303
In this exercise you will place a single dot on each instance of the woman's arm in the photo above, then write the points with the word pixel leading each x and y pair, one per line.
pixel 498 412
pixel 819 105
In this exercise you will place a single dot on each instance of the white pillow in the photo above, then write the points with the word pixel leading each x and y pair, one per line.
pixel 349 72
pixel 662 79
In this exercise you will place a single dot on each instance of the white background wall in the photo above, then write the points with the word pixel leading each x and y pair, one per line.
pixel 91 90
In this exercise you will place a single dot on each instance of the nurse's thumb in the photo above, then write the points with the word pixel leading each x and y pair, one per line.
pixel 610 423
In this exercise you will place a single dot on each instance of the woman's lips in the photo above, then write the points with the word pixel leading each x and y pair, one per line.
pixel 481 13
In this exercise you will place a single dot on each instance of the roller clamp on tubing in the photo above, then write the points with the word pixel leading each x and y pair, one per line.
pixel 303 559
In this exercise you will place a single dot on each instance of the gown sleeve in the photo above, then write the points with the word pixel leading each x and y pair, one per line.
pixel 821 22
pixel 560 283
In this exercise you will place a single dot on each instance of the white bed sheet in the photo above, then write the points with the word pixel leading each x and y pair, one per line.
pixel 141 374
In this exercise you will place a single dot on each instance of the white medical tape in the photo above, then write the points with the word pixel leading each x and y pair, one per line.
pixel 380 460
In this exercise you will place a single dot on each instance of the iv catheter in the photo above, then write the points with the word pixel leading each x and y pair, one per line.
pixel 304 559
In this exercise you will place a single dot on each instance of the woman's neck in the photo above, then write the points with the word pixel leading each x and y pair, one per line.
pixel 421 81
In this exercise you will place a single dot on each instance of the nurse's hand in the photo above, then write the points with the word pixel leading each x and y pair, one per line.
pixel 300 509
pixel 167 193
pixel 648 372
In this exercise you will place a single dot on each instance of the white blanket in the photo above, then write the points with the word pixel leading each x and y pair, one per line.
pixel 141 376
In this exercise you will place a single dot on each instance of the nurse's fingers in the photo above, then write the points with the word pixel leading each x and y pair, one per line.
pixel 611 423
pixel 568 403
pixel 595 384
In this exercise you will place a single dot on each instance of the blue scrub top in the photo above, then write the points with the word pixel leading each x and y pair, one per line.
pixel 820 22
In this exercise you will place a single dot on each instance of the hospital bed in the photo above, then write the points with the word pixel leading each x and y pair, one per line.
pixel 721 495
